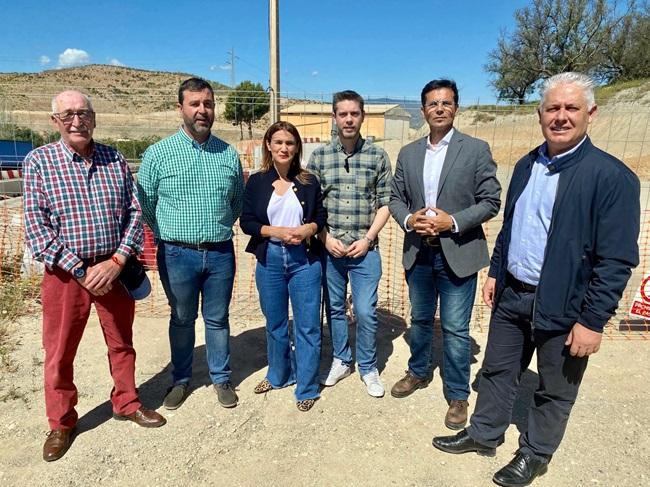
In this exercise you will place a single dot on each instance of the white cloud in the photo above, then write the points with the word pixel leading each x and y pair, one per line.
pixel 223 67
pixel 73 57
pixel 44 60
pixel 314 73
pixel 115 62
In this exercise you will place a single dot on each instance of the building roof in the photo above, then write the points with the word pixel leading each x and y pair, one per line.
pixel 326 108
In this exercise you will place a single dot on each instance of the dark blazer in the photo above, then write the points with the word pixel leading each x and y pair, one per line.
pixel 468 190
pixel 592 241
pixel 257 195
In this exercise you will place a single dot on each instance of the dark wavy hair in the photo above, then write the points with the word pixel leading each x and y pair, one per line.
pixel 295 169
pixel 437 84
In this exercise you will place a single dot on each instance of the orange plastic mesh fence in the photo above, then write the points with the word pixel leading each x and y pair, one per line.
pixel 393 292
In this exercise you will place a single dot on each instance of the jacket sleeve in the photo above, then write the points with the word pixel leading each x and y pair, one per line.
pixel 487 191
pixel 399 201
pixel 248 221
pixel 320 215
pixel 616 249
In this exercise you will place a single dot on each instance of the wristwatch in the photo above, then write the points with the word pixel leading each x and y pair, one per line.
pixel 370 241
pixel 79 272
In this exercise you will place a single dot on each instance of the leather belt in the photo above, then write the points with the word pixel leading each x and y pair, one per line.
pixel 431 241
pixel 518 285
pixel 90 261
pixel 199 246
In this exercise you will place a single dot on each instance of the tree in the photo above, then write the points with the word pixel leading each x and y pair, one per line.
pixel 629 57
pixel 245 104
pixel 553 36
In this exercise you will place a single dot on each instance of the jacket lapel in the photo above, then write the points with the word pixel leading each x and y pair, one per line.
pixel 421 151
pixel 453 150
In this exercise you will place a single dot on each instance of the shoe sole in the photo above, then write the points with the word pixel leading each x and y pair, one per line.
pixel 142 425
pixel 506 484
pixel 455 426
pixel 400 395
pixel 324 383
pixel 483 452
pixel 174 406
pixel 228 406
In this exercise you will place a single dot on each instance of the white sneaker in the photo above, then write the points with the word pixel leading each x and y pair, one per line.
pixel 373 383
pixel 338 371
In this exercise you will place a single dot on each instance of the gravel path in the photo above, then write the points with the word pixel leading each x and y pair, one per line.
pixel 348 439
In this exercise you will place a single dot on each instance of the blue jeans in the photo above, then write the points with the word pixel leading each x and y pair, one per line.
pixel 364 274
pixel 429 278
pixel 186 275
pixel 288 274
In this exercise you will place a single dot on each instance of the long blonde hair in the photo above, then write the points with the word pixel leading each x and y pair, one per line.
pixel 295 169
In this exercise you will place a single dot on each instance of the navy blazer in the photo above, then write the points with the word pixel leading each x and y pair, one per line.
pixel 592 241
pixel 257 195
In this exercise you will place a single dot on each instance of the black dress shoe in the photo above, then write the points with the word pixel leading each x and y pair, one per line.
pixel 462 443
pixel 521 471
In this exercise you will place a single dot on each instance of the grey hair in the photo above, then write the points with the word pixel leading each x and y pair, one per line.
pixel 85 97
pixel 582 81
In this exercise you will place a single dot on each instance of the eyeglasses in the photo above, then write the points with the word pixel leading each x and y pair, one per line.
pixel 68 116
pixel 445 104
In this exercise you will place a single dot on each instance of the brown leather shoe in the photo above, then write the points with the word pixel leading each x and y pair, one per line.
pixel 143 417
pixel 407 385
pixel 456 417
pixel 57 443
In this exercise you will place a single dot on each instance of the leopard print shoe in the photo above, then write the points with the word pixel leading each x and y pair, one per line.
pixel 262 387
pixel 305 405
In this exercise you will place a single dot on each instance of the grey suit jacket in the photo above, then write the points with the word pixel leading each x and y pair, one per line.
pixel 468 190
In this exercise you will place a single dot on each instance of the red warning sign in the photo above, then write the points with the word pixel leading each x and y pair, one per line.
pixel 641 304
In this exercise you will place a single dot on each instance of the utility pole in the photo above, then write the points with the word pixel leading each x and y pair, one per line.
pixel 232 67
pixel 274 60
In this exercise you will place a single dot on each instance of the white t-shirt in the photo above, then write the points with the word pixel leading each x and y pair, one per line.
pixel 285 210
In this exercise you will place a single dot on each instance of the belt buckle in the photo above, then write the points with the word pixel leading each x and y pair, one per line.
pixel 431 241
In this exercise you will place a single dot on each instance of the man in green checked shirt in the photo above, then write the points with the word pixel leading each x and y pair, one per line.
pixel 355 177
pixel 190 189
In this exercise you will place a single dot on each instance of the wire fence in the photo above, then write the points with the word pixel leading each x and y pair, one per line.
pixel 132 122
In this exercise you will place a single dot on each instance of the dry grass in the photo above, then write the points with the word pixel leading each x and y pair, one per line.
pixel 17 296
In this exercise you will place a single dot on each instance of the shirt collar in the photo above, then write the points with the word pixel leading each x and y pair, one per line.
pixel 193 142
pixel 73 155
pixel 444 141
pixel 542 153
pixel 357 148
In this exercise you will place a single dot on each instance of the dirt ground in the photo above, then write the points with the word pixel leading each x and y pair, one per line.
pixel 348 438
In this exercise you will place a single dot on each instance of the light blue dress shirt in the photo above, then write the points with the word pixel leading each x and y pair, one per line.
pixel 531 221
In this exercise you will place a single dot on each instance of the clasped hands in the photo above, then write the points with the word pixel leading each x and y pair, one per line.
pixel 99 277
pixel 431 225
pixel 293 235
pixel 336 248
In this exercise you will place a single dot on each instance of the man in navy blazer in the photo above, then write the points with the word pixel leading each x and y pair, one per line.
pixel 559 267
pixel 444 188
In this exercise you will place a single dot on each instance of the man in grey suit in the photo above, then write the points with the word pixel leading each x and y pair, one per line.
pixel 444 188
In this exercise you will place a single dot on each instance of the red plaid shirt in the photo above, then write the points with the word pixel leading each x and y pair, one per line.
pixel 73 212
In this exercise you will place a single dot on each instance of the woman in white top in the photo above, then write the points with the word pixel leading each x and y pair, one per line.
pixel 283 212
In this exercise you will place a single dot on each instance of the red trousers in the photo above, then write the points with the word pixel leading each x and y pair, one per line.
pixel 66 307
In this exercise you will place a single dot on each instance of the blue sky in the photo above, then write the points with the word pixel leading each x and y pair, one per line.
pixel 378 48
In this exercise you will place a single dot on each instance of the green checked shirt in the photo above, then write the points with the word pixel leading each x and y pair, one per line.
pixel 190 192
pixel 354 186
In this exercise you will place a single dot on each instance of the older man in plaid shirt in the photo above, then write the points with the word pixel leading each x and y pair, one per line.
pixel 355 176
pixel 191 189
pixel 82 219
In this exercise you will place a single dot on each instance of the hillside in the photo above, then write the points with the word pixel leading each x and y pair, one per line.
pixel 113 89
